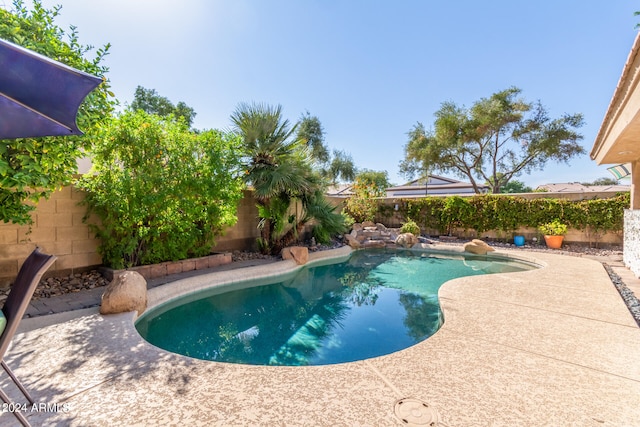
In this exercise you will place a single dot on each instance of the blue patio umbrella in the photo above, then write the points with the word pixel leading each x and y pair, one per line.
pixel 39 96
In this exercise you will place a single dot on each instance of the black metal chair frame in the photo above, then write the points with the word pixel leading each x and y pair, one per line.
pixel 14 307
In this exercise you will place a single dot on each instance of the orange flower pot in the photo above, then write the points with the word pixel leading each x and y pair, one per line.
pixel 554 242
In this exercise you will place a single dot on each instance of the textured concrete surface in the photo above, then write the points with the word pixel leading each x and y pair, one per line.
pixel 555 346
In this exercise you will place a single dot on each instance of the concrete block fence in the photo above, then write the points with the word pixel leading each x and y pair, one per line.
pixel 58 229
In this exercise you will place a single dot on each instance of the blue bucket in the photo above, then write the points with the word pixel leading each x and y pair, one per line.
pixel 518 240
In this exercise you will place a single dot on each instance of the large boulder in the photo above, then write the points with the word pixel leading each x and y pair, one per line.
pixel 406 240
pixel 299 254
pixel 126 292
pixel 478 247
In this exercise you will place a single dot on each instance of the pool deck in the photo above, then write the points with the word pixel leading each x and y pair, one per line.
pixel 555 346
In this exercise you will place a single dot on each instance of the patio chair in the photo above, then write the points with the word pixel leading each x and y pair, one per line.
pixel 14 307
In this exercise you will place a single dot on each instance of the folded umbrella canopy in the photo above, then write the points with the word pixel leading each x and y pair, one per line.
pixel 620 171
pixel 39 96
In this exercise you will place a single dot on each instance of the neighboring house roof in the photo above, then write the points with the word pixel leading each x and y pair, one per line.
pixel 435 185
pixel 576 187
pixel 340 190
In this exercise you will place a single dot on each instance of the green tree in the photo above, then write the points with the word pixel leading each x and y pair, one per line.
pixel 602 181
pixel 378 179
pixel 336 166
pixel 161 192
pixel 33 168
pixel 149 101
pixel 494 141
pixel 367 188
pixel 279 168
pixel 515 186
pixel 310 131
pixel 341 168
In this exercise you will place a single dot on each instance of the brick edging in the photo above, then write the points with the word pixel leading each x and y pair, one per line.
pixel 171 267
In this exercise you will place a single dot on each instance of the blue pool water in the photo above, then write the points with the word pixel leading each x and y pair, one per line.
pixel 377 302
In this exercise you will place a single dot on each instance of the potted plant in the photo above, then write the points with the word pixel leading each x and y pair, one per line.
pixel 553 233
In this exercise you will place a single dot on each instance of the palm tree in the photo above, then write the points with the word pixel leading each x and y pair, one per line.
pixel 278 166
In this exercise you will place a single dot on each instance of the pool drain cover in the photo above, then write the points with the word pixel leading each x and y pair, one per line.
pixel 414 412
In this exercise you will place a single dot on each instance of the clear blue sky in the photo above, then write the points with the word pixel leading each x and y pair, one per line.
pixel 369 70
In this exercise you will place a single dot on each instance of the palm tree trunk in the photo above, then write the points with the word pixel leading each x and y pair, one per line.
pixel 289 238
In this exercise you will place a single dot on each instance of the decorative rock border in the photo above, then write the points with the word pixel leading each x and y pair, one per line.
pixel 370 235
pixel 171 267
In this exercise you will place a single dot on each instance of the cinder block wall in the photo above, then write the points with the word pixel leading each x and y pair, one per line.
pixel 58 229
pixel 243 235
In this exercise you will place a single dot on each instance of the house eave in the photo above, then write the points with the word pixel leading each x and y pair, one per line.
pixel 617 139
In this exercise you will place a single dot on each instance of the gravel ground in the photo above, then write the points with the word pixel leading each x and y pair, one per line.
pixel 54 286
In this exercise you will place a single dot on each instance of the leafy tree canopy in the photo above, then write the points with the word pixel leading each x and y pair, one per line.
pixel 341 168
pixel 32 168
pixel 311 132
pixel 515 186
pixel 149 101
pixel 378 180
pixel 494 141
pixel 336 166
pixel 602 181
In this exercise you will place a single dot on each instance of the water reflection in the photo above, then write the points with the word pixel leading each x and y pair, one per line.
pixel 376 303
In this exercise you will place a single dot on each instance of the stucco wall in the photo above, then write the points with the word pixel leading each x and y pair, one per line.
pixel 631 255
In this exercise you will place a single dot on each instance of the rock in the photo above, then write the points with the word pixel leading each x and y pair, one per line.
pixel 483 244
pixel 368 224
pixel 356 227
pixel 127 292
pixel 352 241
pixel 406 240
pixel 371 244
pixel 381 227
pixel 477 247
pixel 299 254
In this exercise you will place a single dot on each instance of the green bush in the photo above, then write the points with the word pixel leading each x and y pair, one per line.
pixel 553 228
pixel 363 204
pixel 160 192
pixel 410 227
pixel 506 213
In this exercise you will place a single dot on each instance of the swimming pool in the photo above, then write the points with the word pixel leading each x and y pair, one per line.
pixel 377 302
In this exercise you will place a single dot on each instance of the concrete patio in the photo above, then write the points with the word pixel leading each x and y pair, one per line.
pixel 554 346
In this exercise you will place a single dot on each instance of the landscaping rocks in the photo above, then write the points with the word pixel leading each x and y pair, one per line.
pixel 298 253
pixel 370 235
pixel 406 240
pixel 477 247
pixel 127 292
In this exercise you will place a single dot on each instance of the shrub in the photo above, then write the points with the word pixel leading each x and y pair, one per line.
pixel 348 221
pixel 160 192
pixel 410 227
pixel 553 228
pixel 362 206
pixel 506 213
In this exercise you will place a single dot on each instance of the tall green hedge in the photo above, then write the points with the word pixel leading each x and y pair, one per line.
pixel 506 213
pixel 161 192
